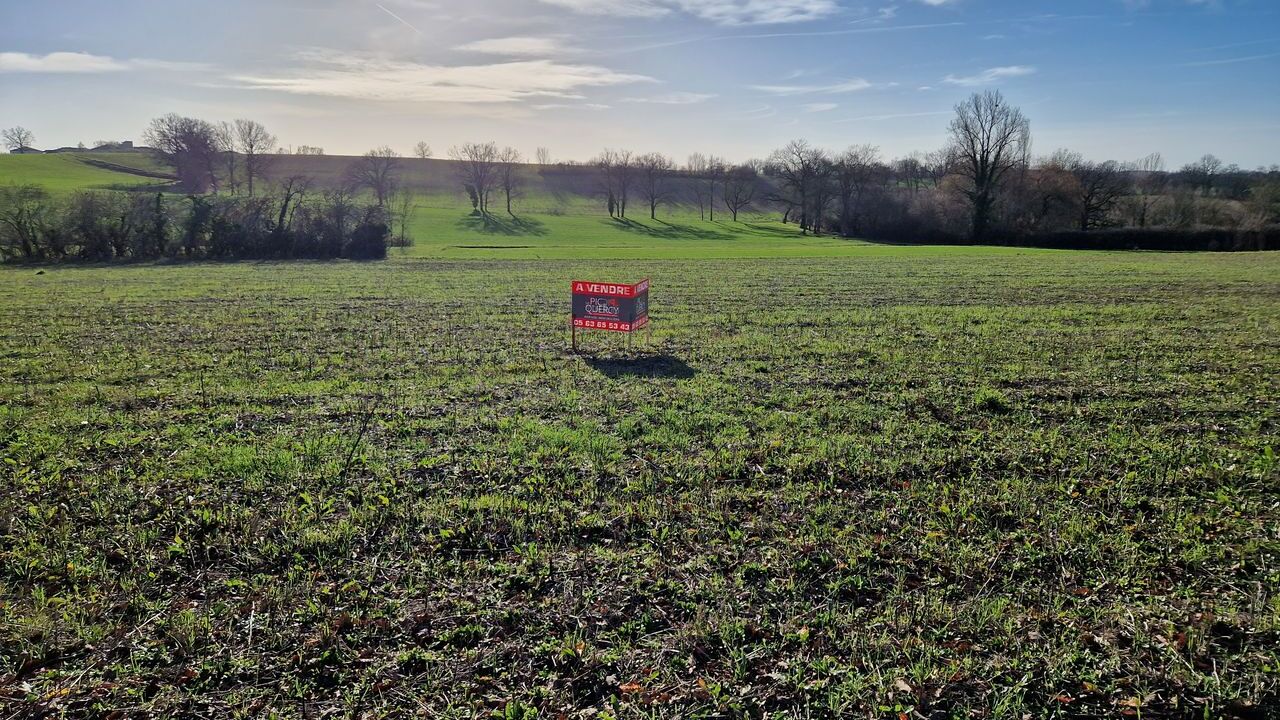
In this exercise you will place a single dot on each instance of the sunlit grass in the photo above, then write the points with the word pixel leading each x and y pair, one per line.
pixel 965 482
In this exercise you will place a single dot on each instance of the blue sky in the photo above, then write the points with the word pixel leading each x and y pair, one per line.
pixel 1111 78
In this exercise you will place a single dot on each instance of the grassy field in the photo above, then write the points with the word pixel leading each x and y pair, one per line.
pixel 442 228
pixel 65 173
pixel 845 480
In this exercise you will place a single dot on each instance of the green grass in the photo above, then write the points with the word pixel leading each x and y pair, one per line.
pixel 66 173
pixel 144 161
pixel 441 229
pixel 862 481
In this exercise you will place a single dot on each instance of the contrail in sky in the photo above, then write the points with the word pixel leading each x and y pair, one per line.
pixel 397 17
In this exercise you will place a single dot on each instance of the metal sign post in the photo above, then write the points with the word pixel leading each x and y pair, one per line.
pixel 610 307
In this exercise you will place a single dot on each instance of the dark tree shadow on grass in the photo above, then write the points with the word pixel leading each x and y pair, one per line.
pixel 652 366
pixel 782 232
pixel 667 231
pixel 707 230
pixel 502 225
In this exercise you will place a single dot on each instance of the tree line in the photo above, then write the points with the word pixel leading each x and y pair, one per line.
pixel 232 206
pixel 983 186
pixel 292 220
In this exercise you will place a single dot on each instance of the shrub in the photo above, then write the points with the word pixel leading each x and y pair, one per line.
pixel 912 231
pixel 368 242
pixel 991 400
pixel 95 225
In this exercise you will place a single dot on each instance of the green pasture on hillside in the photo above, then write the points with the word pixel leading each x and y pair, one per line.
pixel 581 231
pixel 65 173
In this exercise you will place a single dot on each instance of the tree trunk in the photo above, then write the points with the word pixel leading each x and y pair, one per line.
pixel 981 216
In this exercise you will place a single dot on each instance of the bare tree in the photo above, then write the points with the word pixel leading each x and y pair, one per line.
pixel 25 214
pixel 509 160
pixel 224 136
pixel 1046 197
pixel 853 173
pixel 403 207
pixel 1149 181
pixel 991 139
pixel 1203 172
pixel 1264 202
pixel 696 164
pixel 422 150
pixel 911 171
pixel 798 168
pixel 308 150
pixel 624 178
pixel 696 167
pixel 706 172
pixel 18 137
pixel 740 184
pixel 379 171
pixel 713 176
pixel 544 156
pixel 1099 187
pixel 617 174
pixel 256 144
pixel 937 164
pixel 477 169
pixel 655 172
pixel 191 146
pixel 824 191
pixel 292 190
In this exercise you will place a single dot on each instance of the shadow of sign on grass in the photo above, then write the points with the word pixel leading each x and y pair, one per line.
pixel 651 366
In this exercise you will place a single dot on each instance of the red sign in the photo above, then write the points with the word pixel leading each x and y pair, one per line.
pixel 610 306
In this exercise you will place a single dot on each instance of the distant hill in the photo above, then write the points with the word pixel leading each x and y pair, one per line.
pixel 65 173
pixel 435 182
pixel 543 187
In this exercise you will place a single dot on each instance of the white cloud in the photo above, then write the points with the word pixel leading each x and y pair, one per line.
pixel 1230 61
pixel 759 12
pixel 1134 5
pixel 939 3
pixel 78 62
pixel 894 116
pixel 990 75
pixel 676 98
pixel 521 46
pixel 620 8
pixel 570 106
pixel 820 107
pixel 722 12
pixel 362 77
pixel 58 62
pixel 847 86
